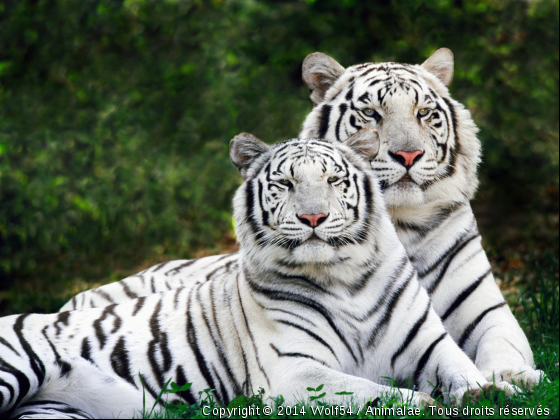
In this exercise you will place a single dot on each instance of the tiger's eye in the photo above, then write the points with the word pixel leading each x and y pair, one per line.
pixel 423 112
pixel 332 179
pixel 369 112
pixel 286 183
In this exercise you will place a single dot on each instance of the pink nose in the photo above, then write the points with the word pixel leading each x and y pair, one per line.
pixel 409 157
pixel 313 220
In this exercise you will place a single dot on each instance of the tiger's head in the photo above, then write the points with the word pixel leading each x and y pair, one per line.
pixel 308 206
pixel 429 151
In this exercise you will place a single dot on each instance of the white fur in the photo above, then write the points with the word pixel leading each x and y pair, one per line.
pixel 259 322
pixel 416 213
pixel 497 345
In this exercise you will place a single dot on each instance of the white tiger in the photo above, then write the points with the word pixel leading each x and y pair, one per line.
pixel 427 167
pixel 322 293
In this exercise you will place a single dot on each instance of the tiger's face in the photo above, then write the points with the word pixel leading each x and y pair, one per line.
pixel 304 200
pixel 410 107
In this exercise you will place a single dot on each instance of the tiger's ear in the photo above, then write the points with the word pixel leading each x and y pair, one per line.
pixel 440 64
pixel 244 149
pixel 319 73
pixel 365 143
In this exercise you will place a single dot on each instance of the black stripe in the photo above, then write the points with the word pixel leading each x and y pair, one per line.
pixel 353 123
pixel 410 336
pixel 360 284
pixel 301 281
pixel 151 390
pixel 182 381
pixel 65 367
pixel 363 234
pixel 297 355
pixel 250 217
pixel 343 108
pixel 388 287
pixel 350 93
pixel 63 318
pixel 264 213
pixel 465 294
pixel 6 385
pixel 4 342
pixel 436 392
pixel 247 381
pixel 222 392
pixel 391 304
pixel 158 344
pixel 98 328
pixel 193 342
pixel 42 407
pixel 180 267
pixel 363 98
pixel 120 361
pixel 460 241
pixel 139 305
pixel 176 298
pixel 36 363
pixel 324 120
pixel 450 259
pixel 220 350
pixel 291 297
pixel 160 266
pixel 471 327
pixel 454 120
pixel 104 295
pixel 366 72
pixel 424 359
pixel 129 293
pixel 312 334
pixel 24 384
pixel 250 332
pixel 86 350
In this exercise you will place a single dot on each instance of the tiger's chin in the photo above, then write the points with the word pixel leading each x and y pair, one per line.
pixel 313 251
pixel 404 194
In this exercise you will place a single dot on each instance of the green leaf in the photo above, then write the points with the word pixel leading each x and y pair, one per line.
pixel 317 396
pixel 176 388
pixel 320 387
pixel 240 401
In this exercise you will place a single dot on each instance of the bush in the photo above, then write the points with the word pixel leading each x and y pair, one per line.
pixel 115 117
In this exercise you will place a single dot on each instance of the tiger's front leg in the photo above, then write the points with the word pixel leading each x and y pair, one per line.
pixel 503 354
pixel 475 313
pixel 438 363
pixel 292 379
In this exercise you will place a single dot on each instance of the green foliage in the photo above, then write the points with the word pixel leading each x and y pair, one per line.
pixel 115 116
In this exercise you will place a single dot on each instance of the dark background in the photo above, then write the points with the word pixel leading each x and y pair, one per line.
pixel 115 119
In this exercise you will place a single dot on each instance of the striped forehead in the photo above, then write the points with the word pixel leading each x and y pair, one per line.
pixel 301 157
pixel 370 82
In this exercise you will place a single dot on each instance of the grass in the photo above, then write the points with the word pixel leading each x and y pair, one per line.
pixel 538 313
pixel 541 402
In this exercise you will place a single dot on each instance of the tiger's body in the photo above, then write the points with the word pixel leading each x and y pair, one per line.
pixel 428 196
pixel 322 293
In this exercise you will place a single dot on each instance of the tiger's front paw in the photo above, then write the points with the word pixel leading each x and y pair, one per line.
pixel 490 390
pixel 422 400
pixel 522 375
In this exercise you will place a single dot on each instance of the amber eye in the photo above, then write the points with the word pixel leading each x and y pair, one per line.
pixel 369 112
pixel 332 179
pixel 286 183
pixel 423 112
